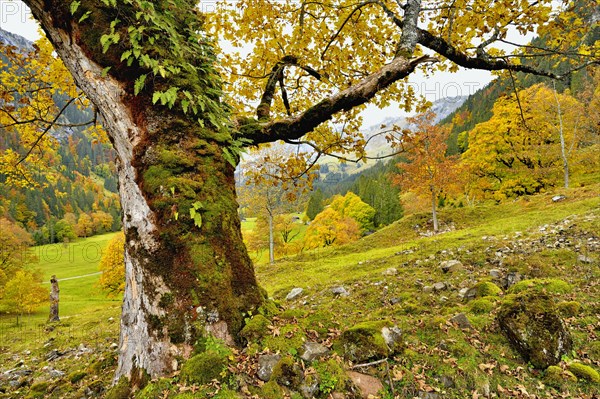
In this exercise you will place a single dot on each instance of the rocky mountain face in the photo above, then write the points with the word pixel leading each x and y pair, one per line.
pixel 12 39
pixel 441 108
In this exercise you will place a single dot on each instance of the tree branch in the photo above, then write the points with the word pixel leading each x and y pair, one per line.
pixel 442 47
pixel 410 33
pixel 293 128
pixel 46 130
pixel 263 111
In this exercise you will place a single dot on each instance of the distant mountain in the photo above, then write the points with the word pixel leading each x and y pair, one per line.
pixel 378 145
pixel 15 40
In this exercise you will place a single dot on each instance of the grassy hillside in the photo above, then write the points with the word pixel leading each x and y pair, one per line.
pixel 390 276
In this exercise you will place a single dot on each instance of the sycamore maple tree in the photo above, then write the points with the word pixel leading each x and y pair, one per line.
pixel 428 170
pixel 112 266
pixel 523 147
pixel 178 117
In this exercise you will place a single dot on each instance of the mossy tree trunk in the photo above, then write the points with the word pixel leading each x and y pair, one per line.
pixel 183 276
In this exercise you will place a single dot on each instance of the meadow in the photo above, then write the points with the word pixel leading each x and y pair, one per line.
pixel 389 276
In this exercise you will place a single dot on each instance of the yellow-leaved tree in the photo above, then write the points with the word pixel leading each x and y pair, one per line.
pixel 23 294
pixel 350 205
pixel 178 120
pixel 526 144
pixel 112 266
pixel 331 228
pixel 35 91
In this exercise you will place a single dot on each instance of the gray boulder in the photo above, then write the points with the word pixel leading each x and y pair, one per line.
pixel 313 351
pixel 266 363
pixel 294 293
pixel 451 265
pixel 339 291
pixel 439 286
pixel 461 321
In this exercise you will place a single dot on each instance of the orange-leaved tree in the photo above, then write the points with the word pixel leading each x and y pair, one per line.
pixel 428 171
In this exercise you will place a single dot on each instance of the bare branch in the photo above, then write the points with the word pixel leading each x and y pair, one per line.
pixel 46 130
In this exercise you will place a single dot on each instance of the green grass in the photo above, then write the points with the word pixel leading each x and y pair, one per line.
pixel 81 299
pixel 69 263
pixel 378 251
pixel 434 347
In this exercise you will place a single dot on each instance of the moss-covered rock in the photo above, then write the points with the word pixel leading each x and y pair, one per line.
pixel 584 372
pixel 38 390
pixel 594 350
pixel 271 390
pixel 548 285
pixel 120 391
pixel 289 340
pixel 256 328
pixel 555 376
pixel 287 373
pixel 481 305
pixel 369 340
pixel 76 376
pixel 227 394
pixel 569 308
pixel 482 289
pixel 331 377
pixel 155 389
pixel 534 329
pixel 41 386
pixel 204 367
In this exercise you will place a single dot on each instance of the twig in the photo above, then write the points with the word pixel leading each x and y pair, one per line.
pixel 356 366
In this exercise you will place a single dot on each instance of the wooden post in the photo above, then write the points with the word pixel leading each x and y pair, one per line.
pixel 54 300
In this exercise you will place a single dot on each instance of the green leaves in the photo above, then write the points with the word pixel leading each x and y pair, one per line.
pixel 107 40
pixel 74 6
pixel 139 84
pixel 195 213
pixel 172 51
pixel 167 98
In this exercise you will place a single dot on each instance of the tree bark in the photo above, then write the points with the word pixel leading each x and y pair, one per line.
pixel 54 297
pixel 271 237
pixel 563 150
pixel 434 212
pixel 183 278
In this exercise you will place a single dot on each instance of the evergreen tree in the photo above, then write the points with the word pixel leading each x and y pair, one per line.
pixel 315 204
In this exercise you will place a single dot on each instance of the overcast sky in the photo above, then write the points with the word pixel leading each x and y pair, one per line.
pixel 15 17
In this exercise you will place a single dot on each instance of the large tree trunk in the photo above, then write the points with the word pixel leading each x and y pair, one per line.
pixel 182 277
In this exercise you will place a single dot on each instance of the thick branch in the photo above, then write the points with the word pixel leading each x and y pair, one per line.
pixel 410 33
pixel 442 47
pixel 263 111
pixel 295 127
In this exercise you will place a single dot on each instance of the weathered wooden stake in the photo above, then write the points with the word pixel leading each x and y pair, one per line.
pixel 54 300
